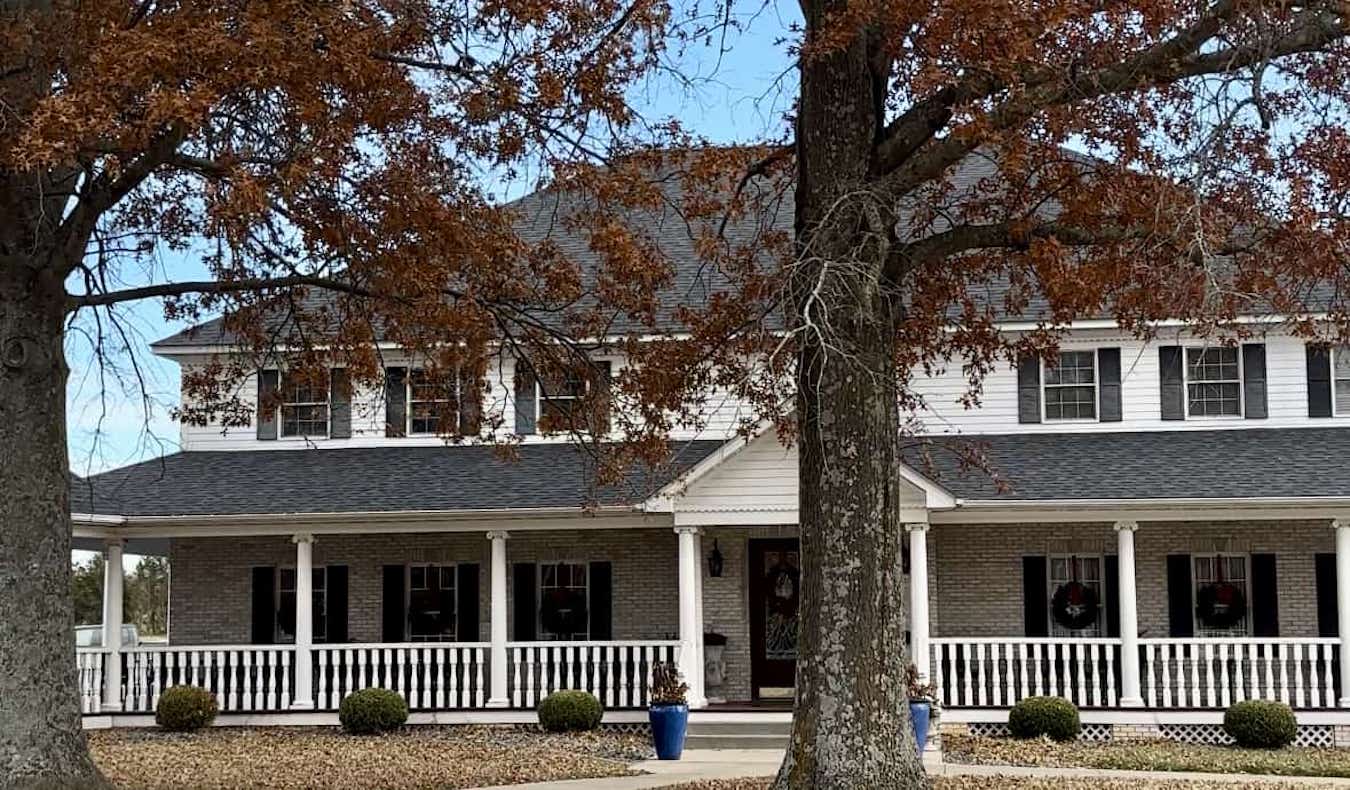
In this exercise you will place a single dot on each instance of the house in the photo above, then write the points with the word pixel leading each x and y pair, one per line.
pixel 1174 536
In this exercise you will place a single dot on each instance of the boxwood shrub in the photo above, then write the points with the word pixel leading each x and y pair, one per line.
pixel 185 709
pixel 570 711
pixel 1034 717
pixel 371 711
pixel 1260 724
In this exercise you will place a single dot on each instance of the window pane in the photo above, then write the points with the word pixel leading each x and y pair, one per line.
pixel 1215 400
pixel 417 576
pixel 1342 397
pixel 1212 364
pixel 432 608
pixel 1072 367
pixel 1070 403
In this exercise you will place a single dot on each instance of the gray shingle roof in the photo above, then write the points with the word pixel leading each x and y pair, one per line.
pixel 1247 463
pixel 373 479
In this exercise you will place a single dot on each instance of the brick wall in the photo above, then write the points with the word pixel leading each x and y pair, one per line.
pixel 210 585
pixel 978 568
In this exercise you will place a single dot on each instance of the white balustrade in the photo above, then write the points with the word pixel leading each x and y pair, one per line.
pixel 618 673
pixel 997 672
pixel 243 678
pixel 89 665
pixel 1215 673
pixel 429 675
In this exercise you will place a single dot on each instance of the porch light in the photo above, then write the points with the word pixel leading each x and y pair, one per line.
pixel 715 561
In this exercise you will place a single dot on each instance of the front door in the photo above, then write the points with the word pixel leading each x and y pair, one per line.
pixel 775 593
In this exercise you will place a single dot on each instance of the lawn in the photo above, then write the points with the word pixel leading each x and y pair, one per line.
pixel 419 757
pixel 1147 756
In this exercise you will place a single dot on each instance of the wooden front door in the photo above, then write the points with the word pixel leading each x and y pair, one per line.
pixel 775 594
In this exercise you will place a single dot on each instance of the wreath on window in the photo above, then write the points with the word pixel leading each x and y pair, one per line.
pixel 1074 605
pixel 1220 605
pixel 782 582
pixel 564 611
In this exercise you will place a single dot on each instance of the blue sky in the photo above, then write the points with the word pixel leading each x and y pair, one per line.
pixel 739 96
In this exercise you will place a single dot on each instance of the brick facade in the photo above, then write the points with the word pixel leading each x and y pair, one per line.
pixel 974 575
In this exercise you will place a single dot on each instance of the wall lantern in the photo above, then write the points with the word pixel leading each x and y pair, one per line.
pixel 715 561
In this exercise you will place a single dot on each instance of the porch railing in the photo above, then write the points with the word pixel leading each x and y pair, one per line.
pixel 243 678
pixel 1215 673
pixel 997 672
pixel 430 676
pixel 89 666
pixel 617 673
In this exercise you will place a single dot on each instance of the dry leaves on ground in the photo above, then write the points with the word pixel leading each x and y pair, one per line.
pixel 421 757
pixel 1003 783
pixel 1147 756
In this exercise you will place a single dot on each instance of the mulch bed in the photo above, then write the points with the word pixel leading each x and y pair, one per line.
pixel 307 757
pixel 1147 756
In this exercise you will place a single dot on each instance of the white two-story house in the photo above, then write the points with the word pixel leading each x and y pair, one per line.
pixel 1170 535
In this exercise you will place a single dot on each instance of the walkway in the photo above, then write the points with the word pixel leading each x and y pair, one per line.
pixel 700 764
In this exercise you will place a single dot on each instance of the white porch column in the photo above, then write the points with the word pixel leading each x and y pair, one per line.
pixel 918 598
pixel 691 663
pixel 497 693
pixel 700 672
pixel 1129 617
pixel 112 624
pixel 1342 526
pixel 304 622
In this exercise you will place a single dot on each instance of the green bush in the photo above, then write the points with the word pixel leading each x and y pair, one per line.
pixel 570 711
pixel 1260 724
pixel 1037 716
pixel 371 711
pixel 185 709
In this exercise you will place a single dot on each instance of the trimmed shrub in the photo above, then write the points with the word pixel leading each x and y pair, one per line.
pixel 371 711
pixel 185 709
pixel 1260 724
pixel 570 711
pixel 1034 717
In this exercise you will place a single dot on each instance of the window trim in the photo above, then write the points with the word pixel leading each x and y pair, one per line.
pixel 456 383
pixel 1241 382
pixel 1096 390
pixel 1103 601
pixel 1336 351
pixel 318 623
pixel 408 591
pixel 543 634
pixel 327 403
pixel 1196 627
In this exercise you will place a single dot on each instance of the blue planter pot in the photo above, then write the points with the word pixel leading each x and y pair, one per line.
pixel 669 723
pixel 919 713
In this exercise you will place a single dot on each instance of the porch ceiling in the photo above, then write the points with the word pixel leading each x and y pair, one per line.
pixel 367 480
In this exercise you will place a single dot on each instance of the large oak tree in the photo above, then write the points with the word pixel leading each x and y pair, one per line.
pixel 944 164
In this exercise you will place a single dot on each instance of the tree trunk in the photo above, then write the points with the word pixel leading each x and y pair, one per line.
pixel 41 740
pixel 851 726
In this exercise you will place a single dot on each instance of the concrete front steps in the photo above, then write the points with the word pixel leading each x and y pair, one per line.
pixel 745 731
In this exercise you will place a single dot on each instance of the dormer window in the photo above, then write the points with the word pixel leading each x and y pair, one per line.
pixel 1070 383
pixel 304 408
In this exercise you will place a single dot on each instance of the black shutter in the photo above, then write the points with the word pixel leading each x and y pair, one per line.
pixel 1180 614
pixel 339 405
pixel 335 626
pixel 264 605
pixel 1173 383
pixel 1108 384
pixel 395 401
pixel 526 412
pixel 1029 389
pixel 1254 380
pixel 1319 381
pixel 470 404
pixel 1035 608
pixel 1328 617
pixel 603 395
pixel 602 600
pixel 1265 606
pixel 524 608
pixel 466 614
pixel 394 616
pixel 1111 591
pixel 267 407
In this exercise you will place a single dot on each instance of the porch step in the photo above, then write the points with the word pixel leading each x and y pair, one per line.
pixel 692 741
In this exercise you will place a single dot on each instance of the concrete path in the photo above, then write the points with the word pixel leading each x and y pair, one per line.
pixel 699 764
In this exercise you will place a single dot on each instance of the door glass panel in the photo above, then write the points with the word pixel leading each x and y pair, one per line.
pixel 782 593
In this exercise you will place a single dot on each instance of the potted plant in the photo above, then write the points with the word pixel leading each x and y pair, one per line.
pixel 668 711
pixel 923 705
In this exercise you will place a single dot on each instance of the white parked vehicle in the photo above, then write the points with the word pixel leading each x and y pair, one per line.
pixel 92 636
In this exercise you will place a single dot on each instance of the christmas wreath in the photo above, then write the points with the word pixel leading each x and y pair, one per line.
pixel 782 583
pixel 564 611
pixel 1074 605
pixel 1220 605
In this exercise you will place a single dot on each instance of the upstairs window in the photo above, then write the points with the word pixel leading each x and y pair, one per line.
pixel 1340 375
pixel 1213 382
pixel 304 408
pixel 1070 384
pixel 560 402
pixel 432 603
pixel 433 403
